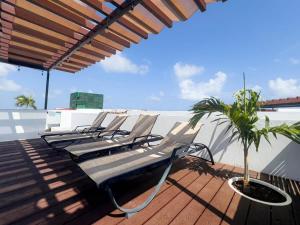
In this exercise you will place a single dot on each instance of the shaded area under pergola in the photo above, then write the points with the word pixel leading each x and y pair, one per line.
pixel 72 35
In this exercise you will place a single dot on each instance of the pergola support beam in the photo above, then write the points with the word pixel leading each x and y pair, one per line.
pixel 47 89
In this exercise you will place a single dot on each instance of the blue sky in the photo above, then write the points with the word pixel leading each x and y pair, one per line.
pixel 201 57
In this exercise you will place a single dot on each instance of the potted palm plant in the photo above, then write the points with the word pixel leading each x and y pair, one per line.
pixel 242 118
pixel 22 100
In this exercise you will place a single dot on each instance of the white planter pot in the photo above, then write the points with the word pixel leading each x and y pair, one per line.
pixel 278 190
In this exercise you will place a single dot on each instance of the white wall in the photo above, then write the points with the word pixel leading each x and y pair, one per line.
pixel 282 158
pixel 21 124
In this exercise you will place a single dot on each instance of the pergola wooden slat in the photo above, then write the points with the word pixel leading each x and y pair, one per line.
pixel 74 34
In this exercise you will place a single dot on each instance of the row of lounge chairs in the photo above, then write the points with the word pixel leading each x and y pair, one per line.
pixel 124 153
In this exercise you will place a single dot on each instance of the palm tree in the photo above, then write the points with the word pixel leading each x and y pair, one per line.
pixel 242 118
pixel 22 100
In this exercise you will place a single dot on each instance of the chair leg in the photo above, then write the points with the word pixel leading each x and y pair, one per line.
pixel 131 211
pixel 200 146
pixel 210 154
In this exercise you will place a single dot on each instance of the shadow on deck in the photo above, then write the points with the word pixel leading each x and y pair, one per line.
pixel 40 186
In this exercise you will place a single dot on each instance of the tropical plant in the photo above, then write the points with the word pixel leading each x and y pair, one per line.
pixel 22 100
pixel 242 119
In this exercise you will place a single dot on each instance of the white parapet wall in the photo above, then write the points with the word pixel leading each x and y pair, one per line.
pixel 21 124
pixel 281 158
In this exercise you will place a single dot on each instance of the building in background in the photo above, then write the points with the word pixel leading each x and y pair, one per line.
pixel 283 104
pixel 81 100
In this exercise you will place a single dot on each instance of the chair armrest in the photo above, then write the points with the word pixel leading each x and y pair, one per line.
pixel 122 132
pixel 139 137
pixel 113 133
pixel 154 137
pixel 196 147
pixel 75 129
pixel 147 138
pixel 92 129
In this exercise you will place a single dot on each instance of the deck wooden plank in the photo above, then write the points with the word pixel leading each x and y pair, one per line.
pixel 168 212
pixel 178 173
pixel 236 212
pixel 280 215
pixel 166 197
pixel 201 199
pixel 40 186
pixel 104 207
pixel 167 192
pixel 293 189
pixel 35 189
pixel 216 210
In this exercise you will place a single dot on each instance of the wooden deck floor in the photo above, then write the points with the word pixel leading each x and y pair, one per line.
pixel 39 186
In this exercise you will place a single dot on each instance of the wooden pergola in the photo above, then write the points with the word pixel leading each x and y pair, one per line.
pixel 70 35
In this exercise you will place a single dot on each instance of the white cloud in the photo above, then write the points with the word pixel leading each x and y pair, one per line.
pixel 9 85
pixel 191 90
pixel 157 98
pixel 294 61
pixel 119 63
pixel 285 88
pixel 6 68
pixel 183 71
pixel 256 88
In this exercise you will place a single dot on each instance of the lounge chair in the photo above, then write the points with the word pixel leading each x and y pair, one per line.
pixel 106 170
pixel 112 129
pixel 95 126
pixel 140 134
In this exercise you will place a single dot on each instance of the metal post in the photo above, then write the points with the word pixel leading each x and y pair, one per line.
pixel 47 87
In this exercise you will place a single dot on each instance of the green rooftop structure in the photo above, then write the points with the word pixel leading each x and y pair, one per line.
pixel 82 100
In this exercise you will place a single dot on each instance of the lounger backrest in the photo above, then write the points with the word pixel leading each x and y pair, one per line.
pixel 116 123
pixel 99 119
pixel 143 125
pixel 181 133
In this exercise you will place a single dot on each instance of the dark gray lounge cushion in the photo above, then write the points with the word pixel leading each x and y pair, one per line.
pixel 96 123
pixel 115 124
pixel 142 127
pixel 105 168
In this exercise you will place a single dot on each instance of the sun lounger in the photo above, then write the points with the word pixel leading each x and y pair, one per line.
pixel 140 134
pixel 112 128
pixel 106 170
pixel 95 126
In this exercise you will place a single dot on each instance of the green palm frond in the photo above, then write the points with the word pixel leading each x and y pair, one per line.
pixel 23 101
pixel 208 106
pixel 242 119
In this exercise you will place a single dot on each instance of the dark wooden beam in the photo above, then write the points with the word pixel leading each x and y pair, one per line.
pixel 100 28
pixel 21 63
pixel 201 4
pixel 152 8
